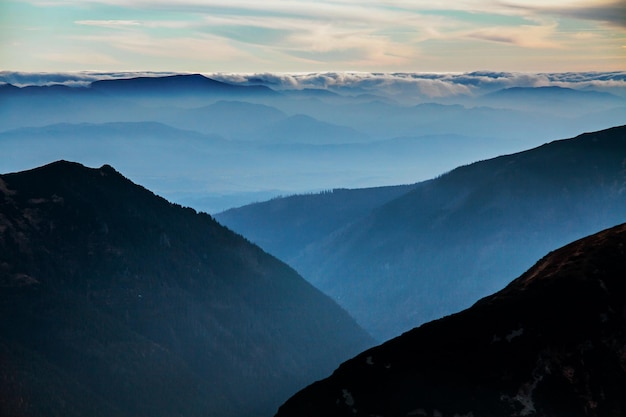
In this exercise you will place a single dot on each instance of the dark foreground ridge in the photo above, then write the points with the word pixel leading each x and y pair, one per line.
pixel 114 302
pixel 552 343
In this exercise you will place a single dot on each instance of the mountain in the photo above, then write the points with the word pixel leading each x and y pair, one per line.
pixel 36 106
pixel 567 101
pixel 301 128
pixel 457 237
pixel 136 99
pixel 230 118
pixel 286 226
pixel 148 152
pixel 192 84
pixel 114 302
pixel 551 343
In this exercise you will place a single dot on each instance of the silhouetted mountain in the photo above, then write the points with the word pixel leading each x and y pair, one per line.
pixel 303 133
pixel 114 302
pixel 149 152
pixel 549 344
pixel 132 99
pixel 453 239
pixel 552 92
pixel 286 226
pixel 175 85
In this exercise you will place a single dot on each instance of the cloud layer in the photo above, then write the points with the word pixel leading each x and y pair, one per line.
pixel 394 85
pixel 346 35
pixel 433 85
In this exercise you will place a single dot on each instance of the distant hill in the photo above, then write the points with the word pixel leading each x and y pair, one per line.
pixel 567 101
pixel 136 99
pixel 230 118
pixel 114 302
pixel 305 129
pixel 175 84
pixel 552 92
pixel 549 344
pixel 286 226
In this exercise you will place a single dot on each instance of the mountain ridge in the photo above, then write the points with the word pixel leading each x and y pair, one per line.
pixel 142 307
pixel 551 343
pixel 469 227
pixel 174 84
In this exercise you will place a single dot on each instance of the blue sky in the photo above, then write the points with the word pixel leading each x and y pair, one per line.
pixel 307 35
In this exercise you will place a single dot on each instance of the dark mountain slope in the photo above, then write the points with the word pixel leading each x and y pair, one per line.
pixel 459 237
pixel 116 303
pixel 552 343
pixel 285 226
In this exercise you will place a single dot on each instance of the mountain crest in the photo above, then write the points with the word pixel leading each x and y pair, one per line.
pixel 119 303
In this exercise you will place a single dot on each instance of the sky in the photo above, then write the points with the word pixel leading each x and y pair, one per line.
pixel 211 36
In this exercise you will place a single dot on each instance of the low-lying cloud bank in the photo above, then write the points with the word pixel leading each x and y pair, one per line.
pixel 429 84
pixel 434 85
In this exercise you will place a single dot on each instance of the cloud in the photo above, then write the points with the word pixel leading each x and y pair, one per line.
pixel 432 85
pixel 403 87
pixel 333 34
pixel 526 36
pixel 611 12
pixel 108 23
pixel 72 79
pixel 81 58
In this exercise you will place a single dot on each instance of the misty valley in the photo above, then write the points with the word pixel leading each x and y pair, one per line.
pixel 320 244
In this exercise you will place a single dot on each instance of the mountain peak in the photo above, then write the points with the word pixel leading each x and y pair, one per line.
pixel 122 304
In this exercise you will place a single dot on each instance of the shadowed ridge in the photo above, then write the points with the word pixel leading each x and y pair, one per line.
pixel 465 234
pixel 114 302
pixel 552 343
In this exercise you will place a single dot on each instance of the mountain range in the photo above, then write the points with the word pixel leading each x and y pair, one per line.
pixel 447 241
pixel 212 173
pixel 114 302
pixel 551 343
pixel 312 139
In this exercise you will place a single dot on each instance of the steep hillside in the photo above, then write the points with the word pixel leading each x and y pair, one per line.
pixel 552 343
pixel 114 302
pixel 463 235
pixel 286 226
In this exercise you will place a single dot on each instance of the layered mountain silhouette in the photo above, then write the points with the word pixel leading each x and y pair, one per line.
pixel 114 302
pixel 552 343
pixel 175 84
pixel 290 141
pixel 286 226
pixel 455 238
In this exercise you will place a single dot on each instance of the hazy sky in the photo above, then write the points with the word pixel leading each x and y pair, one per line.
pixel 312 35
